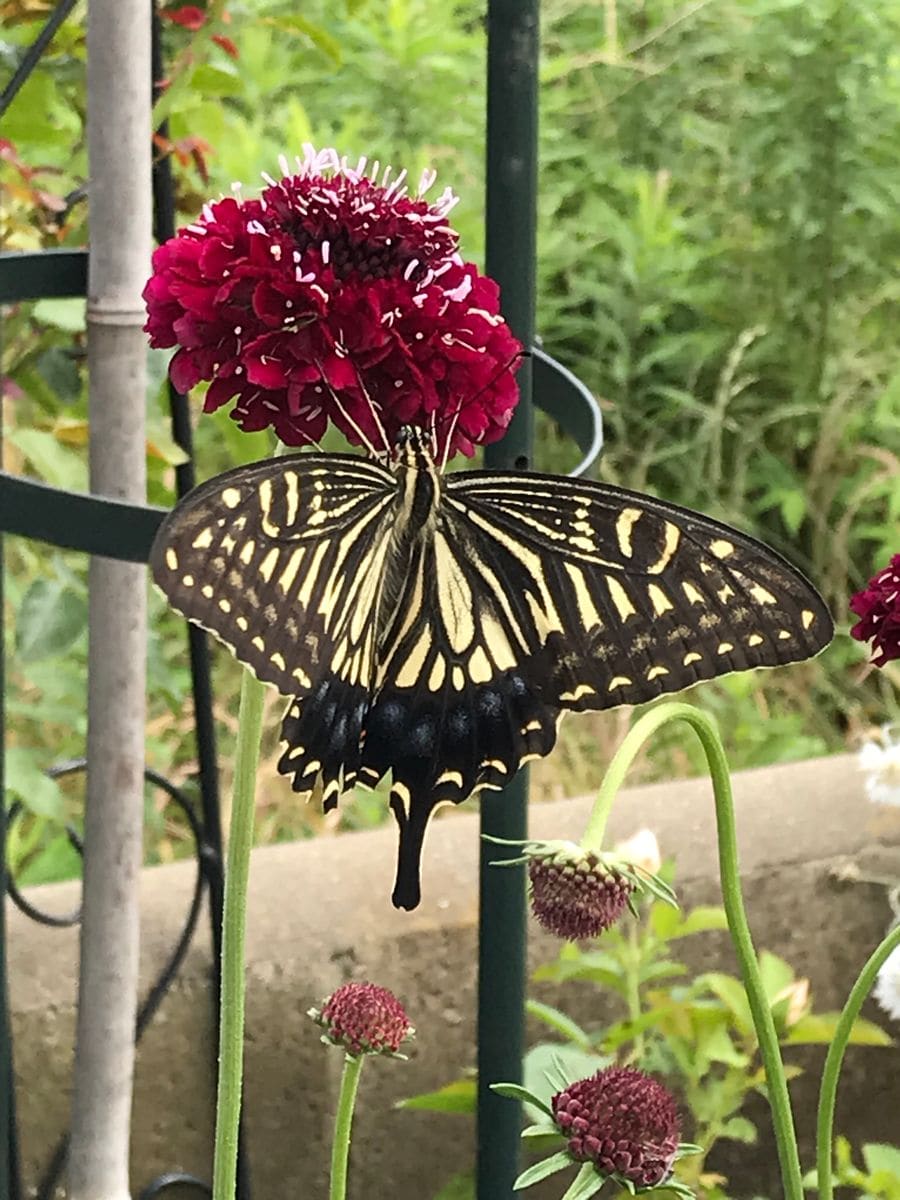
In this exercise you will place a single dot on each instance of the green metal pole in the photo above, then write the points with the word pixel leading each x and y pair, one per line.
pixel 510 259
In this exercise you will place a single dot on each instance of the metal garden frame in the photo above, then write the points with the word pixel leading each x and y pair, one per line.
pixel 94 525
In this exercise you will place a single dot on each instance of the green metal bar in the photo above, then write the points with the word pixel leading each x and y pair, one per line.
pixel 42 275
pixel 72 521
pixel 512 56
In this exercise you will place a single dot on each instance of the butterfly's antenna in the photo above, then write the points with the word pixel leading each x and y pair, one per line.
pixel 434 439
pixel 337 400
pixel 454 416
pixel 373 407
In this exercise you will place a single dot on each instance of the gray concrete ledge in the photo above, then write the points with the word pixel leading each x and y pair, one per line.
pixel 320 914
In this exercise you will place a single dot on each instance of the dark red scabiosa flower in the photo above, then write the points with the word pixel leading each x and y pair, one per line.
pixel 576 893
pixel 336 295
pixel 878 607
pixel 364 1019
pixel 622 1121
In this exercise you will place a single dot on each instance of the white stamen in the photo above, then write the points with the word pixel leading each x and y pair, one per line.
pixel 267 178
pixel 283 163
pixel 426 179
pixel 326 252
pixel 460 293
pixel 397 183
pixel 410 267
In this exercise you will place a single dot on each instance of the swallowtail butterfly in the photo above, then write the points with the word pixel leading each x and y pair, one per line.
pixel 438 626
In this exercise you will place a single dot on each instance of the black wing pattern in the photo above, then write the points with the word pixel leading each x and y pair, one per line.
pixel 448 658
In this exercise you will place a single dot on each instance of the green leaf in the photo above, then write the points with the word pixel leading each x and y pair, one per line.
pixel 818 1029
pixel 52 461
pixel 515 1091
pixel 543 1170
pixel 68 315
pixel 460 1096
pixel 776 974
pixel 700 920
pixel 320 38
pixel 560 1022
pixel 56 861
pixel 215 81
pixel 26 780
pixel 51 618
pixel 879 1157
pixel 731 992
pixel 739 1129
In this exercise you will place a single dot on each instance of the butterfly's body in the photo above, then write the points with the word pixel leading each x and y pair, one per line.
pixel 437 626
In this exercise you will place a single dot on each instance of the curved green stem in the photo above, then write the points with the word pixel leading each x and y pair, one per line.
pixel 633 987
pixel 835 1058
pixel 729 871
pixel 340 1146
pixel 234 920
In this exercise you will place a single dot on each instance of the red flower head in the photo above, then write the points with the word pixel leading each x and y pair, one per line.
pixel 622 1121
pixel 878 607
pixel 364 1019
pixel 336 295
pixel 576 893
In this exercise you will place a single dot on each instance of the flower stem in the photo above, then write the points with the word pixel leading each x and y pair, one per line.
pixel 234 920
pixel 729 871
pixel 340 1147
pixel 835 1058
pixel 633 987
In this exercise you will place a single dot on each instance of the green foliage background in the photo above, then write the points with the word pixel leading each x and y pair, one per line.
pixel 718 248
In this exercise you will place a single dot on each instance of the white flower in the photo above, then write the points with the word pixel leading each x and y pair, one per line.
pixel 887 985
pixel 643 850
pixel 880 761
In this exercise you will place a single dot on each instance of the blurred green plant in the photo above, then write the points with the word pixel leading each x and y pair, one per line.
pixel 694 1032
pixel 877 1179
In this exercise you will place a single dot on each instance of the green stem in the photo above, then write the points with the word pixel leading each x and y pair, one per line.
pixel 234 920
pixel 835 1058
pixel 340 1147
pixel 729 871
pixel 633 987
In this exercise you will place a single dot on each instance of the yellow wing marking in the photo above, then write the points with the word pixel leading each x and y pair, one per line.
pixel 625 522
pixel 620 599
pixel 454 597
pixel 586 608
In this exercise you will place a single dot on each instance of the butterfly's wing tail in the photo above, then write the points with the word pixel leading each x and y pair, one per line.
pixel 453 713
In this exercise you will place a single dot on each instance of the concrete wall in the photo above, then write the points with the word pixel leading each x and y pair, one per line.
pixel 320 914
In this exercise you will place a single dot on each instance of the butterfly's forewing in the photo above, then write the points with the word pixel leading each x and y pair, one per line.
pixel 626 597
pixel 284 562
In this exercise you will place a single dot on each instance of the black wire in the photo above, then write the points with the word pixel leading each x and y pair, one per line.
pixel 32 55
pixel 46 1189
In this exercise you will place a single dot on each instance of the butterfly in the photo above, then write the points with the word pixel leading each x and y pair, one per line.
pixel 438 626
